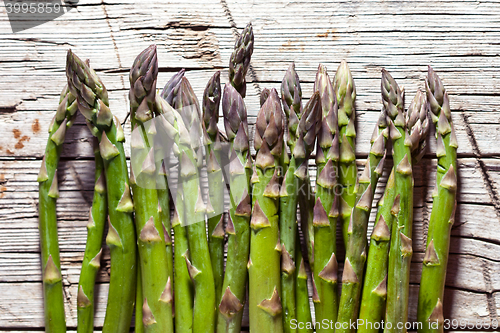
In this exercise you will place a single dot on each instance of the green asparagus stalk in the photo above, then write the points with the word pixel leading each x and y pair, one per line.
pixel 199 265
pixel 291 94
pixel 301 294
pixel 430 300
pixel 407 131
pixel 264 263
pixel 303 127
pixel 326 207
pixel 240 60
pixel 48 194
pixel 183 286
pixel 164 205
pixel 92 100
pixel 231 303
pixel 348 173
pixel 92 257
pixel 138 326
pixel 156 287
pixel 306 204
pixel 211 101
pixel 401 245
pixel 356 241
pixel 375 285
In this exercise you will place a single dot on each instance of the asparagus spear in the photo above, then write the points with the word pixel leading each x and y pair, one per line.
pixel 301 293
pixel 356 241
pixel 231 303
pixel 430 300
pixel 291 94
pixel 375 285
pixel 200 266
pixel 303 127
pixel 211 102
pixel 171 89
pixel 348 173
pixel 264 263
pixel 138 326
pixel 401 244
pixel 170 122
pixel 48 194
pixel 183 286
pixel 156 287
pixel 92 101
pixel 92 257
pixel 326 206
pixel 240 60
pixel 164 210
pixel 407 131
pixel 306 204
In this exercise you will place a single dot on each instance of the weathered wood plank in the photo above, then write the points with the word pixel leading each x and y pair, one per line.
pixel 29 312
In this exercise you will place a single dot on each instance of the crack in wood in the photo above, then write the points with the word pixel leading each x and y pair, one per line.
pixel 490 297
pixel 115 46
pixel 484 170
pixel 236 34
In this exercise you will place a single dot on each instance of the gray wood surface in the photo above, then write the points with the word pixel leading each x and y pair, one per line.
pixel 460 39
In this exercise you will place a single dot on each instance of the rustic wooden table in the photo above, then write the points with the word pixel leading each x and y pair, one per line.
pixel 460 39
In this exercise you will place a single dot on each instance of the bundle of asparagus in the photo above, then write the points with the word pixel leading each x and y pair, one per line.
pixel 262 224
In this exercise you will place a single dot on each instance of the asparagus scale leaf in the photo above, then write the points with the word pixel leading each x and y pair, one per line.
pixel 430 299
pixel 93 103
pixel 48 193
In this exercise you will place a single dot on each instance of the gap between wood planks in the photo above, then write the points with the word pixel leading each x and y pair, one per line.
pixel 103 5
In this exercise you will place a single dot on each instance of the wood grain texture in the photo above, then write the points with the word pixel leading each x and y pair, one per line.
pixel 458 38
